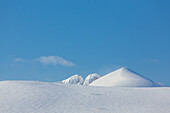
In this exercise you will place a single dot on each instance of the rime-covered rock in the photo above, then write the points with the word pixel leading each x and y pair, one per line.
pixel 75 79
pixel 90 78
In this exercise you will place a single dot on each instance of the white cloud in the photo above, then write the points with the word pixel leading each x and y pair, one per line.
pixel 55 60
pixel 19 60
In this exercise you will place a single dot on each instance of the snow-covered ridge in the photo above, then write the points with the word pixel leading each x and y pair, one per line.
pixel 124 78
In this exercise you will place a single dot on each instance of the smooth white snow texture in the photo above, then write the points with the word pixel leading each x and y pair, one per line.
pixel 40 97
pixel 124 78
pixel 90 78
pixel 75 79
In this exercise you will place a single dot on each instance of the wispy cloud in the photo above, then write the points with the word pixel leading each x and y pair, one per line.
pixel 151 60
pixel 19 60
pixel 54 60
pixel 154 60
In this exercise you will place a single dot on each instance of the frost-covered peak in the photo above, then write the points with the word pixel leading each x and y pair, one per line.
pixel 90 78
pixel 75 79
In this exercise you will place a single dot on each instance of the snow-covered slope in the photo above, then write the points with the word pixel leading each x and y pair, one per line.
pixel 90 78
pixel 39 97
pixel 124 78
pixel 75 79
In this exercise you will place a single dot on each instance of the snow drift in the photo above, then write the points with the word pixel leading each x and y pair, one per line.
pixel 40 97
pixel 124 78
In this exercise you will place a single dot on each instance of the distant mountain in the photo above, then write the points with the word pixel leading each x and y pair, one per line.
pixel 75 79
pixel 90 78
pixel 124 78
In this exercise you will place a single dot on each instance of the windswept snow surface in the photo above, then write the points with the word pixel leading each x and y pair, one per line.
pixel 124 78
pixel 90 78
pixel 75 79
pixel 40 97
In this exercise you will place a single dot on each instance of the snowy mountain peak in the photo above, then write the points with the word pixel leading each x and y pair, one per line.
pixel 75 79
pixel 90 78
pixel 125 69
pixel 124 77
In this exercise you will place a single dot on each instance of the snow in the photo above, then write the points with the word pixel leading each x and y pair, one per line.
pixel 41 97
pixel 90 78
pixel 75 79
pixel 124 78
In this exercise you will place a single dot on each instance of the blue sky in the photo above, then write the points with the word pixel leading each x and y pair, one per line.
pixel 52 40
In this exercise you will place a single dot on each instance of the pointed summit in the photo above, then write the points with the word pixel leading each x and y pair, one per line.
pixel 124 77
pixel 123 68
